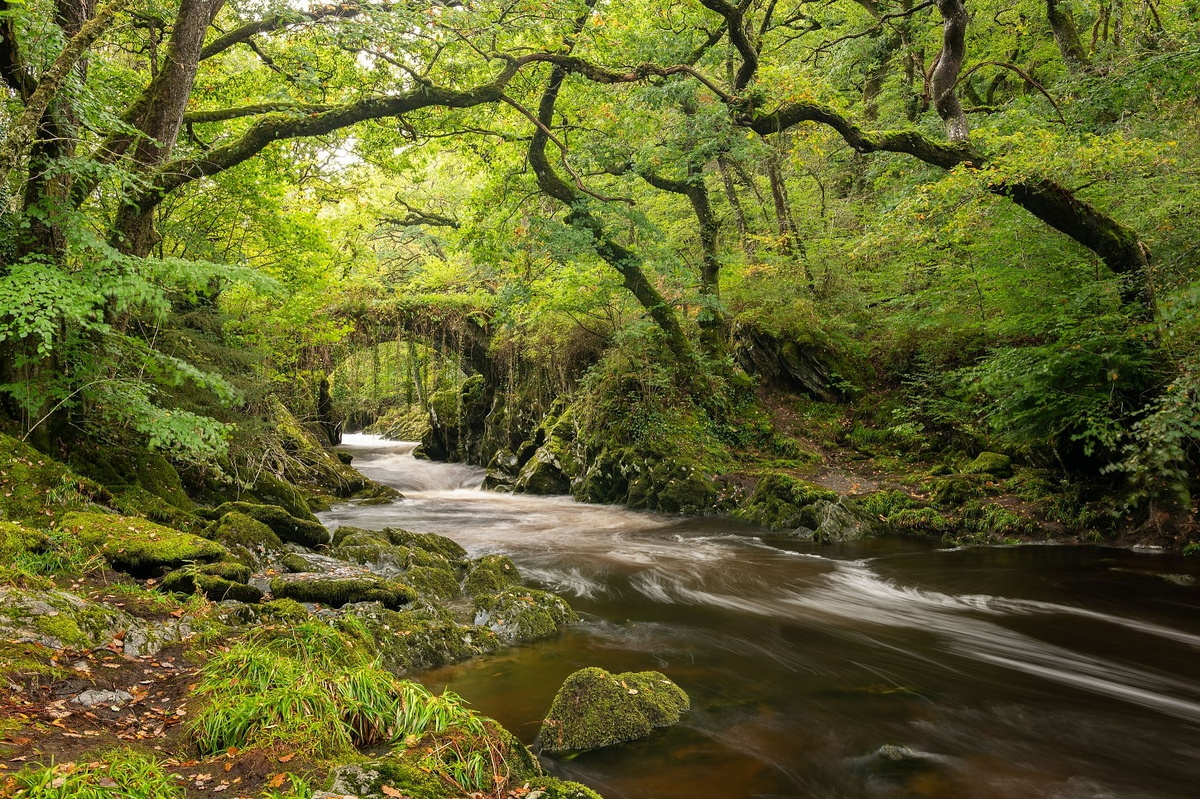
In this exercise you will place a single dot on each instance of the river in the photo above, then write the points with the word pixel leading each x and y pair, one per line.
pixel 879 669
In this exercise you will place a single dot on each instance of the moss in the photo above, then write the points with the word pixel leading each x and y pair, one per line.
pixel 554 788
pixel 283 524
pixel 919 522
pixel 434 583
pixel 270 490
pixel 956 490
pixel 338 591
pixel 138 546
pixel 137 501
pixel 16 539
pixel 358 536
pixel 36 490
pixel 419 638
pixel 25 658
pixel 236 528
pixel 992 463
pixel 682 489
pixel 295 564
pixel 58 619
pixel 214 586
pixel 594 709
pixel 394 773
pixel 430 542
pixel 778 501
pixel 490 574
pixel 523 614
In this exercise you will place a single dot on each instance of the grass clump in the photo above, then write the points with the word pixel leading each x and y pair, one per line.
pixel 122 773
pixel 314 690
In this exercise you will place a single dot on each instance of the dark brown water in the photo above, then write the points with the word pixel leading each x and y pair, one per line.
pixel 1010 673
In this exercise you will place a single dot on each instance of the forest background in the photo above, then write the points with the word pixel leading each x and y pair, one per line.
pixel 678 255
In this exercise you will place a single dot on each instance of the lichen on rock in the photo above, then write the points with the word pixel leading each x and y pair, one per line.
pixel 595 708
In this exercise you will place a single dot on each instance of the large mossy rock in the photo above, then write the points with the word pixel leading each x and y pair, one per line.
pixel 416 639
pixel 594 709
pixel 342 588
pixel 215 581
pixel 137 546
pixel 61 620
pixel 58 619
pixel 428 542
pixel 523 614
pixel 490 574
pixel 247 538
pixel 779 502
pixel 283 524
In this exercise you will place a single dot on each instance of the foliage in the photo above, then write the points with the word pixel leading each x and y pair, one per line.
pixel 309 688
pixel 118 772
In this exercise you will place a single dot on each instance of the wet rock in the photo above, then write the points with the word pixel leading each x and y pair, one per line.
pixel 546 472
pixel 594 709
pixel 832 522
pixel 523 614
pixel 490 574
pixel 343 588
pixel 94 697
pixel 283 524
pixel 149 638
pixel 138 546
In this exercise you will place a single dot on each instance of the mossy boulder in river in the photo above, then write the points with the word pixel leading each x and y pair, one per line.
pixel 283 524
pixel 137 546
pixel 340 589
pixel 490 574
pixel 594 709
pixel 523 614
pixel 428 542
pixel 779 501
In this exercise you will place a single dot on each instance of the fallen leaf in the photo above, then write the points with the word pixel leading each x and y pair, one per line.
pixel 392 792
pixel 287 757
pixel 276 780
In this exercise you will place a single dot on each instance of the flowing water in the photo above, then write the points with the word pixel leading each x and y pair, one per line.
pixel 880 669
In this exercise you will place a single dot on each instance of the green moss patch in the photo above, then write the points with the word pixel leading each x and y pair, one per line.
pixel 58 619
pixel 491 574
pixel 779 500
pixel 36 490
pixel 992 463
pixel 594 709
pixel 338 590
pixel 523 614
pixel 138 546
pixel 283 524
pixel 416 639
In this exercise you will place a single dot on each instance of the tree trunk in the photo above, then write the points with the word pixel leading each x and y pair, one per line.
pixel 1066 34
pixel 946 69
pixel 785 223
pixel 739 214
pixel 161 116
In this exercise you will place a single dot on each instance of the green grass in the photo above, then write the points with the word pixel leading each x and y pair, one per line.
pixel 120 773
pixel 312 690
